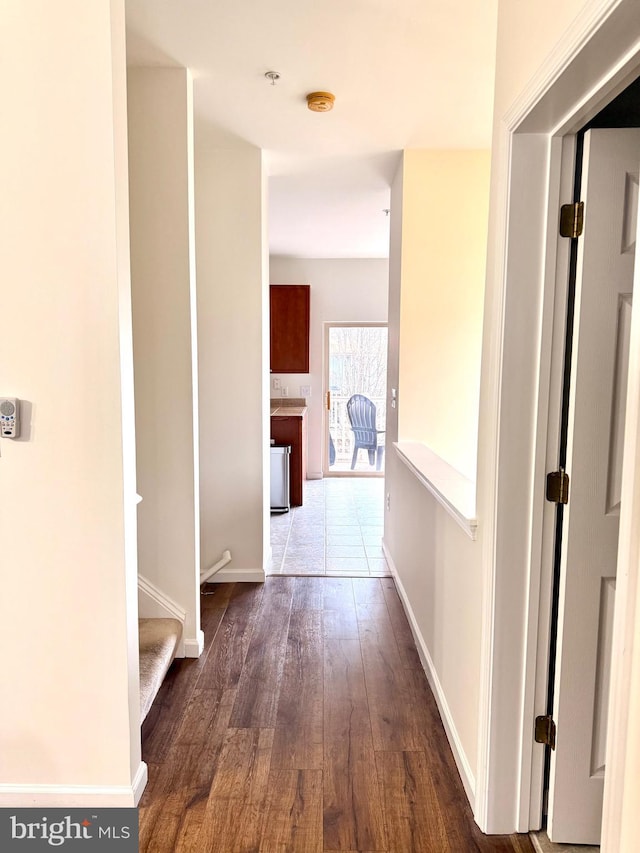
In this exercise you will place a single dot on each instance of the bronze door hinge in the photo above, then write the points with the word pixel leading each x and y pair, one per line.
pixel 545 731
pixel 558 487
pixel 571 219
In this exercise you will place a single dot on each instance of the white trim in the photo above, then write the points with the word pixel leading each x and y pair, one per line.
pixel 268 561
pixel 509 764
pixel 492 360
pixel 239 576
pixel 453 491
pixel 546 455
pixel 140 782
pixel 194 648
pixel 315 475
pixel 75 796
pixel 462 762
pixel 158 602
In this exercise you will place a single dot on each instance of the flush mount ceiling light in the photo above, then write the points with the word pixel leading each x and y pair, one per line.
pixel 320 102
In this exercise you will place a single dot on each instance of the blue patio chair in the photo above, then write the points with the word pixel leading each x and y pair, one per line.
pixel 362 417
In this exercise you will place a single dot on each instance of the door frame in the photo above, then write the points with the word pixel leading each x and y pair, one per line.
pixel 327 325
pixel 597 58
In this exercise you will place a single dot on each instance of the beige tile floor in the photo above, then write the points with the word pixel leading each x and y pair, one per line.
pixel 338 530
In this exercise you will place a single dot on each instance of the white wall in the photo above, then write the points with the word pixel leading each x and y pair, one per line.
pixel 435 561
pixel 444 250
pixel 353 290
pixel 67 527
pixel 527 35
pixel 234 407
pixel 160 104
pixel 438 567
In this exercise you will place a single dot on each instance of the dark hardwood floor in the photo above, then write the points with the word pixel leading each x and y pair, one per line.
pixel 307 725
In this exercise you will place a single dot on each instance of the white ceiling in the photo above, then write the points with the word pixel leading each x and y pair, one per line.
pixel 405 73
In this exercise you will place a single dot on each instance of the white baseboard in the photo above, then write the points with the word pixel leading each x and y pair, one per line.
pixel 75 796
pixel 462 763
pixel 314 475
pixel 194 648
pixel 238 575
pixel 140 782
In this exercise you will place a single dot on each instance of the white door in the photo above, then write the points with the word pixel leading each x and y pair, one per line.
pixel 594 464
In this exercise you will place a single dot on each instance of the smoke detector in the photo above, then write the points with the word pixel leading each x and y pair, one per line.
pixel 320 102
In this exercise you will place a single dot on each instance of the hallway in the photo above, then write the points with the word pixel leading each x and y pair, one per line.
pixel 307 725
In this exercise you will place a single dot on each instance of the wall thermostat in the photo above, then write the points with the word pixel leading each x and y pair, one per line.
pixel 9 417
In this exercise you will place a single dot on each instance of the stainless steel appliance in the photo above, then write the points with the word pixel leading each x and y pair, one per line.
pixel 280 501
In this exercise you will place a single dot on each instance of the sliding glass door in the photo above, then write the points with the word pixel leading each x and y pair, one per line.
pixel 355 398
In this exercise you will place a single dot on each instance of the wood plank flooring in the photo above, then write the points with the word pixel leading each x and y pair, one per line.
pixel 307 725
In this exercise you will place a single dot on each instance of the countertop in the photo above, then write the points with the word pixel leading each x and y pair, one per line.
pixel 288 411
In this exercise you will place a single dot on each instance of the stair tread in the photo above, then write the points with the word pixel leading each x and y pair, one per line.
pixel 158 640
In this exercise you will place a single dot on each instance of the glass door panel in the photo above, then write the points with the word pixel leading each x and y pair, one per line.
pixel 356 371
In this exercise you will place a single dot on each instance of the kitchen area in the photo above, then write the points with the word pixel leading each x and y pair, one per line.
pixel 329 526
pixel 288 453
pixel 289 353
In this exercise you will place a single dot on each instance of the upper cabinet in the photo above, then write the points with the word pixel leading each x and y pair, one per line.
pixel 290 311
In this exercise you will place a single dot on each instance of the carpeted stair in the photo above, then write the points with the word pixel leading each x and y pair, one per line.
pixel 159 640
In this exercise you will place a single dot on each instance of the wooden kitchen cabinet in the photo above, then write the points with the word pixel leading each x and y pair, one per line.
pixel 292 430
pixel 289 306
